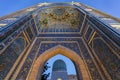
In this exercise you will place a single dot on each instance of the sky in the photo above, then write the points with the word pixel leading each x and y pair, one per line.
pixel 111 7
pixel 70 66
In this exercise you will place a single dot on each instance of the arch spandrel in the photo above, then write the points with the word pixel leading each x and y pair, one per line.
pixel 38 64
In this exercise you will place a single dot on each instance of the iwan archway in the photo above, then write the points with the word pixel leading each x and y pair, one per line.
pixel 39 62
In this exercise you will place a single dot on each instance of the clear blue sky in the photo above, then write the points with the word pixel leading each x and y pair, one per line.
pixel 111 7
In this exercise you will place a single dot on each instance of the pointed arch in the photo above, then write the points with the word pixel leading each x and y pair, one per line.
pixel 39 62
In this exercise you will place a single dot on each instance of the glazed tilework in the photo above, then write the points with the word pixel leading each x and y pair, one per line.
pixel 58 41
pixel 59 15
pixel 88 33
pixel 26 67
pixel 62 27
pixel 29 32
pixel 9 56
pixel 108 58
pixel 16 32
pixel 13 27
pixel 105 43
pixel 102 31
pixel 106 30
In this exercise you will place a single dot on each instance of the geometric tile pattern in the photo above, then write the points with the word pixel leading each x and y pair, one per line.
pixel 74 44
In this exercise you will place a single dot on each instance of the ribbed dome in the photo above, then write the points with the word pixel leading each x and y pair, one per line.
pixel 59 65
